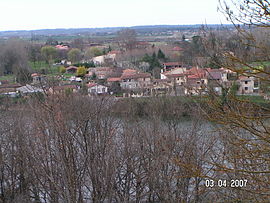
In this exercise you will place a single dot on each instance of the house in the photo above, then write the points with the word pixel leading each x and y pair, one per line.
pixel 103 72
pixel 161 87
pixel 99 60
pixel 110 81
pixel 71 69
pixel 62 47
pixel 177 73
pixel 38 79
pixel 196 81
pixel 135 80
pixel 96 89
pixel 170 65
pixel 217 79
pixel 75 79
pixel 29 89
pixel 248 85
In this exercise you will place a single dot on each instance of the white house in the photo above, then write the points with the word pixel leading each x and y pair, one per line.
pixel 94 89
pixel 29 89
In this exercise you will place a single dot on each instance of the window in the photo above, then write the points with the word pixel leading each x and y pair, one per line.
pixel 246 88
pixel 256 84
pixel 103 89
pixel 93 90
pixel 246 82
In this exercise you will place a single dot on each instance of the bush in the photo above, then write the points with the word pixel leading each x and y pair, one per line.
pixel 81 71
pixel 62 69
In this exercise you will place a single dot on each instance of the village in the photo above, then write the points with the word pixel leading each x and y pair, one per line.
pixel 175 80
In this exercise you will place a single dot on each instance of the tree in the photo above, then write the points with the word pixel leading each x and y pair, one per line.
pixel 14 59
pixel 62 69
pixel 48 53
pixel 74 55
pixel 161 55
pixel 78 43
pixel 244 125
pixel 81 71
pixel 92 52
pixel 127 39
pixel 183 38
pixel 34 52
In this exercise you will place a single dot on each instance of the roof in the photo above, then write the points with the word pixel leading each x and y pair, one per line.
pixel 6 90
pixel 175 75
pixel 196 72
pixel 172 64
pixel 129 71
pixel 195 76
pixel 62 47
pixel 137 75
pixel 16 85
pixel 29 89
pixel 177 48
pixel 36 75
pixel 72 67
pixel 215 75
pixel 113 79
pixel 94 84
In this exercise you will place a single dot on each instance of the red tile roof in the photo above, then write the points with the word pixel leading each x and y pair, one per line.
pixel 172 64
pixel 175 75
pixel 92 84
pixel 129 71
pixel 113 79
pixel 177 48
pixel 137 75
pixel 72 67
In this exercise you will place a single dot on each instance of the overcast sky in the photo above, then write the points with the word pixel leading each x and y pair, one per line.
pixel 43 14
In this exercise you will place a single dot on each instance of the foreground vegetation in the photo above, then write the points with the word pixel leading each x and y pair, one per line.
pixel 54 151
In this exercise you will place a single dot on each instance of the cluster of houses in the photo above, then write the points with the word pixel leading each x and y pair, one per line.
pixel 174 80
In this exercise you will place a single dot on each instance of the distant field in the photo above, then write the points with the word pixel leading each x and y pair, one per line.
pixel 10 78
pixel 38 66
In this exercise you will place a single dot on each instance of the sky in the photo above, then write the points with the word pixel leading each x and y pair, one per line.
pixel 51 14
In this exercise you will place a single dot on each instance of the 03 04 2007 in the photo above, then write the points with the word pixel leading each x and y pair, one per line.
pixel 234 183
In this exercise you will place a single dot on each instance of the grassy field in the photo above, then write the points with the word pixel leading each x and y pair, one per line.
pixel 38 66
pixel 10 78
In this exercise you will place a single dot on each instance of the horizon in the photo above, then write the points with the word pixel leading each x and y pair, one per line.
pixel 38 15
pixel 112 27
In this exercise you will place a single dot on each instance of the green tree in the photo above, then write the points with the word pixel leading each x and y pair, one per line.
pixel 62 69
pixel 48 53
pixel 74 55
pixel 92 52
pixel 161 55
pixel 81 71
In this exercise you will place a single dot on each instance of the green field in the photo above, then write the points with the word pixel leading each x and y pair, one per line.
pixel 41 65
pixel 10 78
